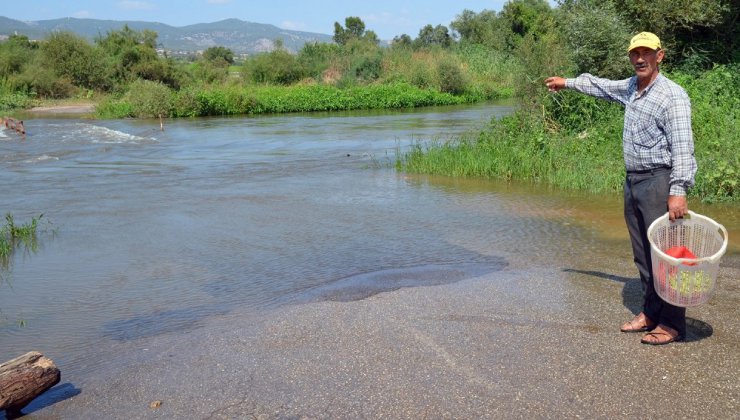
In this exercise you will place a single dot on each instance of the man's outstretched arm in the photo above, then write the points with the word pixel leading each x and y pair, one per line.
pixel 555 83
pixel 611 90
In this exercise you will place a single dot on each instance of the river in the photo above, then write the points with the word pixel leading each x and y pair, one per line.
pixel 146 232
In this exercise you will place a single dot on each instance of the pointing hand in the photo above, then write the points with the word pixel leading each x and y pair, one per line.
pixel 554 84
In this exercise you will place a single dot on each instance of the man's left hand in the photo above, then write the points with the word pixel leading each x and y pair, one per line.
pixel 677 206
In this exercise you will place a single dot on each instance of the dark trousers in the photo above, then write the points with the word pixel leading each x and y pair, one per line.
pixel 646 199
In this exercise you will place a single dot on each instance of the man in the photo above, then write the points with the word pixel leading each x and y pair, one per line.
pixel 658 151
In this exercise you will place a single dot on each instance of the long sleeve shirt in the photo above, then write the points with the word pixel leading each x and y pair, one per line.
pixel 657 125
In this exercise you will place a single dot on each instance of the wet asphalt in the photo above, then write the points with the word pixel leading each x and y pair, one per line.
pixel 523 342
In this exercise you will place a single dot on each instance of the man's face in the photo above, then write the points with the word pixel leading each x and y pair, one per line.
pixel 645 61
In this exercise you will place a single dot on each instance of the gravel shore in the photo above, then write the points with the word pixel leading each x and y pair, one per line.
pixel 518 343
pixel 64 109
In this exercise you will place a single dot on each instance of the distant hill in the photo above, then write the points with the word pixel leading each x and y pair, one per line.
pixel 239 36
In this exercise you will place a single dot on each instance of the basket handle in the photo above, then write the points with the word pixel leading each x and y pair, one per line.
pixel 676 261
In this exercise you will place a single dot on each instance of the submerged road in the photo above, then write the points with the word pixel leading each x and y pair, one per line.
pixel 509 344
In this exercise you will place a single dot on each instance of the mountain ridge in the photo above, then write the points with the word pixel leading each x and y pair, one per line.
pixel 242 37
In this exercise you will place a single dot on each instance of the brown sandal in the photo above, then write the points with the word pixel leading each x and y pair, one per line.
pixel 639 323
pixel 660 335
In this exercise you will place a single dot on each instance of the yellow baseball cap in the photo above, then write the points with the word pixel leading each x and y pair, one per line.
pixel 644 39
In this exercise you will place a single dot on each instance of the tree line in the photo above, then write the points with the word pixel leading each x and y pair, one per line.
pixel 484 50
pixel 571 140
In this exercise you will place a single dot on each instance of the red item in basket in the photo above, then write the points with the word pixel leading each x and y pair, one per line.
pixel 681 252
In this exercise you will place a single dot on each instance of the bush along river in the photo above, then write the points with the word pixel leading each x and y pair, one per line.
pixel 151 232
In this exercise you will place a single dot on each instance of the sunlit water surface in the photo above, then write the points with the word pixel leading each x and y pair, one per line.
pixel 146 231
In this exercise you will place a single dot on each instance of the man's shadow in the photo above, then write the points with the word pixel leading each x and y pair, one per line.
pixel 632 299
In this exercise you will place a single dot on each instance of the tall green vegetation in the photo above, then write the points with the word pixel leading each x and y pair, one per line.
pixel 73 58
pixel 567 139
pixel 66 65
pixel 354 72
pixel 594 34
pixel 697 32
pixel 22 74
pixel 124 67
pixel 354 29
pixel 276 67
pixel 573 140
pixel 13 235
pixel 149 99
pixel 132 55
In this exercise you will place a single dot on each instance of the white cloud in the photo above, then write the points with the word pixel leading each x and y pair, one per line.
pixel 135 5
pixel 82 14
pixel 293 26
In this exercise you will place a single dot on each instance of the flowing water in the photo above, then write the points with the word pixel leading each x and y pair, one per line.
pixel 147 232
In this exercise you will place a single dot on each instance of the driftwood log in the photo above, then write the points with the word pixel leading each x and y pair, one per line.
pixel 25 378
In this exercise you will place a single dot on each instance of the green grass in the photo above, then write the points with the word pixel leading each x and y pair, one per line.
pixel 13 235
pixel 574 142
pixel 236 100
pixel 14 101
pixel 513 148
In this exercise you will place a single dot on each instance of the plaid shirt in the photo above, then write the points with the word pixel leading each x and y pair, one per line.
pixel 657 125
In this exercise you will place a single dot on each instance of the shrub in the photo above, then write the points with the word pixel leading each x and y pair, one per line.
pixel 73 57
pixel 162 71
pixel 114 108
pixel 314 58
pixel 367 66
pixel 451 78
pixel 10 101
pixel 209 73
pixel 276 67
pixel 421 75
pixel 149 99
pixel 715 112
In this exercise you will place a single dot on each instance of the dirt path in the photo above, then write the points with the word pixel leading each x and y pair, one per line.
pixel 86 108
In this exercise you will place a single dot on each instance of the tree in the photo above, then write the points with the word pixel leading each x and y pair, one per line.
pixel 596 36
pixel 315 57
pixel 401 41
pixel 371 37
pixel 520 18
pixel 541 53
pixel 430 36
pixel 696 33
pixel 689 28
pixel 73 57
pixel 475 28
pixel 524 16
pixel 278 66
pixel 354 28
pixel 14 54
pixel 484 28
pixel 133 55
pixel 220 56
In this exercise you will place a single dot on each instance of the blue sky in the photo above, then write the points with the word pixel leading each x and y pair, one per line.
pixel 387 18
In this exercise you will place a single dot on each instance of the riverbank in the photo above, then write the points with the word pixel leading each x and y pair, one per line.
pixel 504 345
pixel 258 317
pixel 573 141
pixel 73 109
pixel 147 99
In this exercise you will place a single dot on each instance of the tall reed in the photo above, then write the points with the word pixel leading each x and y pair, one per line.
pixel 576 142
pixel 13 235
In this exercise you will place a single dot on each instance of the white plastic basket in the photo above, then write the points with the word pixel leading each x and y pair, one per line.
pixel 685 281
